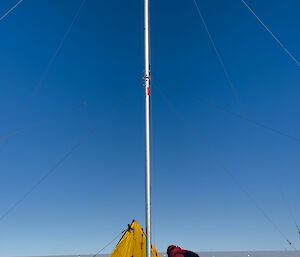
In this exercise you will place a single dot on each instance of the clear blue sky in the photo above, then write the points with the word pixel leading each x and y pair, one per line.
pixel 98 190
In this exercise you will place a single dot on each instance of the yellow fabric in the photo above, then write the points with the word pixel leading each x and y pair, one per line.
pixel 133 243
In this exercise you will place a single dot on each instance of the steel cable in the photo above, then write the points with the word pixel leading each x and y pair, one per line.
pixel 271 33
pixel 227 171
pixel 54 116
pixel 53 57
pixel 109 243
pixel 10 10
pixel 51 61
pixel 233 89
pixel 56 165
pixel 290 210
pixel 242 117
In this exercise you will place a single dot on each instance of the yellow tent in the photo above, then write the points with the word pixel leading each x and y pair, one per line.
pixel 133 243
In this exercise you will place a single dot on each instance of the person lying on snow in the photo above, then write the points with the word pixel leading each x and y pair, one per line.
pixel 176 251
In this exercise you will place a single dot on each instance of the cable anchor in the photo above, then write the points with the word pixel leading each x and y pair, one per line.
pixel 129 229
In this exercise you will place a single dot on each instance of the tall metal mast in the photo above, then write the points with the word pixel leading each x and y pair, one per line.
pixel 147 129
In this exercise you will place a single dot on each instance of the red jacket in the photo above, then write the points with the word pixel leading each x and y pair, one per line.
pixel 177 252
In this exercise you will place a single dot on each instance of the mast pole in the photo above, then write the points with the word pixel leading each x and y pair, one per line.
pixel 147 128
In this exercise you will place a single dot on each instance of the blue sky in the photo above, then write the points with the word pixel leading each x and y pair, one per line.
pixel 99 188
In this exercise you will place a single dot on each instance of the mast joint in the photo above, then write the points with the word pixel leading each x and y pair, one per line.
pixel 146 78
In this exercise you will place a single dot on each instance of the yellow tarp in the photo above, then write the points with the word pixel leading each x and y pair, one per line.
pixel 133 243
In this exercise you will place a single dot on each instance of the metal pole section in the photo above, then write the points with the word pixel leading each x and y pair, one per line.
pixel 147 130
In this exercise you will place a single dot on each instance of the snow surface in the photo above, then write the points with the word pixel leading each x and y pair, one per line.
pixel 214 254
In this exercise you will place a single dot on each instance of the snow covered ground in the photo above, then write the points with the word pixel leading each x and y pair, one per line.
pixel 218 254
